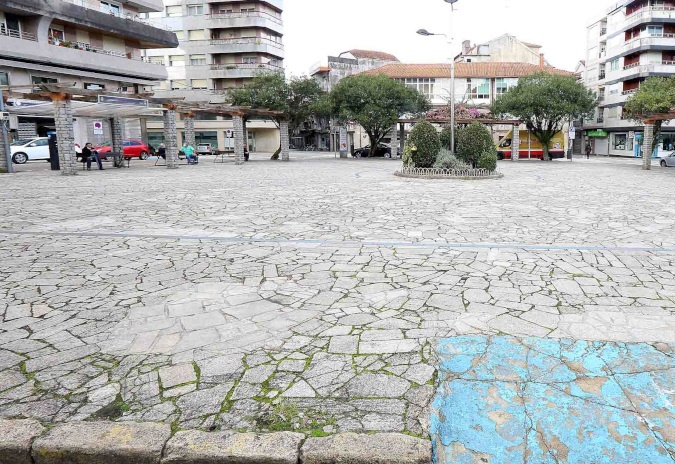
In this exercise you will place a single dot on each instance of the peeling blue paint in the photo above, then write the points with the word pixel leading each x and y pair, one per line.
pixel 509 400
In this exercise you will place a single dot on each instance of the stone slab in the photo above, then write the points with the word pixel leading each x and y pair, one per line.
pixel 352 448
pixel 102 443
pixel 16 437
pixel 194 447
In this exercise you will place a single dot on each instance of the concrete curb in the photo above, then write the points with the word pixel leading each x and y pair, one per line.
pixel 29 442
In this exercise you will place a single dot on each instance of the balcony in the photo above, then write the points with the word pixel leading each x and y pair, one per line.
pixel 241 71
pixel 660 14
pixel 659 42
pixel 603 31
pixel 602 75
pixel 253 19
pixel 600 119
pixel 278 4
pixel 76 57
pixel 244 45
pixel 637 70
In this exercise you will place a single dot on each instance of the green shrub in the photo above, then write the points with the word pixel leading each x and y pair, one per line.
pixel 487 161
pixel 446 138
pixel 446 160
pixel 424 138
pixel 407 155
pixel 473 141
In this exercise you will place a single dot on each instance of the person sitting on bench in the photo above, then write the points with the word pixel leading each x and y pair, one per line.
pixel 190 154
pixel 87 153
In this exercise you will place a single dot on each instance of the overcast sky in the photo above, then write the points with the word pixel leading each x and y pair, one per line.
pixel 315 29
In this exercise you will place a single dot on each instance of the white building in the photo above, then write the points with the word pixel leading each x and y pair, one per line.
pixel 633 41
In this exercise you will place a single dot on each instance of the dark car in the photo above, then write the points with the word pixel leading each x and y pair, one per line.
pixel 382 150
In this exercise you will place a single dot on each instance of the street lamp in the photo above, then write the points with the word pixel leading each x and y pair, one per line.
pixel 450 39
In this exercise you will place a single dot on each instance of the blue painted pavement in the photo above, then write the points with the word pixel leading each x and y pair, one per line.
pixel 509 400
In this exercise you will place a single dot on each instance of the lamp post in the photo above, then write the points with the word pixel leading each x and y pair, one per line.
pixel 450 39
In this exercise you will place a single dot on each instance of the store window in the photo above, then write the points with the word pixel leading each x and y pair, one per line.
pixel 478 89
pixel 4 78
pixel 205 137
pixel 620 141
pixel 155 138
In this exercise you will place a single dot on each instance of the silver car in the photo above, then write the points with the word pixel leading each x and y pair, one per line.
pixel 668 160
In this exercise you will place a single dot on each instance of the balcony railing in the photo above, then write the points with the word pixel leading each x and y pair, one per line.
pixel 245 14
pixel 649 9
pixel 16 34
pixel 229 66
pixel 247 41
pixel 86 47
pixel 629 92
pixel 632 65
pixel 120 13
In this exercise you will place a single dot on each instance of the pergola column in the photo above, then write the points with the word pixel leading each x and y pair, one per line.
pixel 285 141
pixel 648 146
pixel 63 119
pixel 245 129
pixel 3 156
pixel 394 141
pixel 189 123
pixel 401 136
pixel 117 131
pixel 238 122
pixel 170 137
pixel 515 143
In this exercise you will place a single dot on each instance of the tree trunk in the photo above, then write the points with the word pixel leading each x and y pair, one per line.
pixel 276 154
pixel 546 156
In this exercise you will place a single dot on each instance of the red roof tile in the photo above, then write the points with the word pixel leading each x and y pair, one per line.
pixel 463 70
pixel 372 55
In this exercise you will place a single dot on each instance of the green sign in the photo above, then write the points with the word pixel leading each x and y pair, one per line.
pixel 596 133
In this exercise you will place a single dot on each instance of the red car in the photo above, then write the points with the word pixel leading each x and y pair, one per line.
pixel 132 149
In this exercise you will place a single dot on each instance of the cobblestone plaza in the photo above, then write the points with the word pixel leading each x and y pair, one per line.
pixel 215 296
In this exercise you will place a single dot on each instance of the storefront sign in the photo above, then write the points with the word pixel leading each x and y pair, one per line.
pixel 122 100
pixel 596 133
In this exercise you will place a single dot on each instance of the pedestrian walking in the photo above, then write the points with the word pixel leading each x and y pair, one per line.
pixel 589 148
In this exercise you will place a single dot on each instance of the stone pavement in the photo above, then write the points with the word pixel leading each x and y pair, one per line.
pixel 310 295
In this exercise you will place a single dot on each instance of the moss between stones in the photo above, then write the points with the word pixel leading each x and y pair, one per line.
pixel 113 411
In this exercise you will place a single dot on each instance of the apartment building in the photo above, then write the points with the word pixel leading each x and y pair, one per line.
pixel 324 134
pixel 633 41
pixel 223 45
pixel 91 44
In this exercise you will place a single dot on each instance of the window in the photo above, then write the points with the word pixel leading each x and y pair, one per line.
pixel 194 10
pixel 176 60
pixel 503 84
pixel 180 35
pixel 620 141
pixel 4 78
pixel 56 35
pixel 111 8
pixel 197 60
pixel 164 85
pixel 425 86
pixel 92 86
pixel 156 60
pixel 173 11
pixel 40 143
pixel 198 84
pixel 655 31
pixel 478 89
pixel 43 80
pixel 613 112
pixel 614 65
pixel 197 34
pixel 249 60
pixel 178 84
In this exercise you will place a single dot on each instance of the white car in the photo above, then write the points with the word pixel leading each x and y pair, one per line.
pixel 30 150
pixel 667 160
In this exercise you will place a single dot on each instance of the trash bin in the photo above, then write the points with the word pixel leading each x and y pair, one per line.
pixel 569 154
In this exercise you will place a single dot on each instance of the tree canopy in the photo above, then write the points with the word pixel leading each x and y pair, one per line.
pixel 656 95
pixel 375 102
pixel 545 102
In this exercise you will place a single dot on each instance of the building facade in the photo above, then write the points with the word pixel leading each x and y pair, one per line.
pixel 506 49
pixel 93 44
pixel 324 134
pixel 632 42
pixel 223 45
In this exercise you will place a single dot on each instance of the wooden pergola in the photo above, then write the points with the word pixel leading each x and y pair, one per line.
pixel 66 101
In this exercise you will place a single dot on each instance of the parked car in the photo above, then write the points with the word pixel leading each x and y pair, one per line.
pixel 668 160
pixel 382 150
pixel 30 150
pixel 132 149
